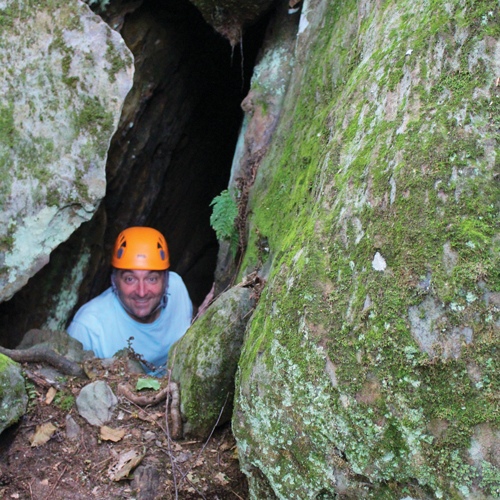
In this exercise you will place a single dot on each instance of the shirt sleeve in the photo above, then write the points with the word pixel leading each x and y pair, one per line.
pixel 84 335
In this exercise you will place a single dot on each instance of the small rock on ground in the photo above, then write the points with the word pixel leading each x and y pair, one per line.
pixel 96 403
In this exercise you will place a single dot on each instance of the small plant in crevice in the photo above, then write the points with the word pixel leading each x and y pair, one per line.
pixel 225 211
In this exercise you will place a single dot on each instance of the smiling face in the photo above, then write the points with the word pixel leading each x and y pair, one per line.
pixel 141 292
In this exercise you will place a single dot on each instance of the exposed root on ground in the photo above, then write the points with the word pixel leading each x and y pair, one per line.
pixel 171 389
pixel 43 354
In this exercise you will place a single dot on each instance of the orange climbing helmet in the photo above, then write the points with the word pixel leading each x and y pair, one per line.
pixel 141 248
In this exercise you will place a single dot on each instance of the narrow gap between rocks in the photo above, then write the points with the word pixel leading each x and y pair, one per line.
pixel 170 156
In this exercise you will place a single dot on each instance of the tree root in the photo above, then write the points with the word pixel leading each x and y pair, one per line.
pixel 172 389
pixel 38 354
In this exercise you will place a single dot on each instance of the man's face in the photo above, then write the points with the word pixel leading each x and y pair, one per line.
pixel 141 292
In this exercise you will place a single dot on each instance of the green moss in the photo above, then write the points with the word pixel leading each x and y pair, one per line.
pixel 116 60
pixel 403 187
pixel 64 401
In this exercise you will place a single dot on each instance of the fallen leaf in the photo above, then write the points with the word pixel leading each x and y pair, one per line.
pixel 50 396
pixel 109 434
pixel 193 479
pixel 126 462
pixel 221 478
pixel 147 383
pixel 42 435
pixel 234 456
pixel 199 462
pixel 14 495
pixel 226 445
pixel 44 482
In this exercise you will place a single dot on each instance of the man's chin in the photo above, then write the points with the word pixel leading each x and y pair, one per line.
pixel 144 315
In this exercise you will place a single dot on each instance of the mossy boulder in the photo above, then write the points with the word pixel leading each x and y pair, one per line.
pixel 65 77
pixel 370 367
pixel 13 397
pixel 204 361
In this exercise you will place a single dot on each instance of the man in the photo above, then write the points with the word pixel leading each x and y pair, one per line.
pixel 145 301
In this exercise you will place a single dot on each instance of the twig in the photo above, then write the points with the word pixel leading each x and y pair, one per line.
pixel 56 483
pixel 37 379
pixel 234 493
pixel 100 463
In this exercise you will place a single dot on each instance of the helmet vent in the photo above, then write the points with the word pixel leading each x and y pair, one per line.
pixel 162 255
pixel 120 252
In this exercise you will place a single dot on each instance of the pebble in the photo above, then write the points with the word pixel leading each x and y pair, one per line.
pixel 72 428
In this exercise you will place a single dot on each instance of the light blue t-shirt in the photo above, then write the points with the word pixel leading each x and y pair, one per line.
pixel 103 326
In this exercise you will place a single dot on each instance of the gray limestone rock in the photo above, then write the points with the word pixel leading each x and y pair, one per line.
pixel 13 398
pixel 60 341
pixel 204 361
pixel 146 482
pixel 61 99
pixel 72 428
pixel 96 403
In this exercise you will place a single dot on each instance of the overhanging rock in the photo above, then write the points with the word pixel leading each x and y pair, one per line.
pixel 66 75
pixel 231 17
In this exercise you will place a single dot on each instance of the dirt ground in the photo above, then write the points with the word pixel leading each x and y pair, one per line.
pixel 83 467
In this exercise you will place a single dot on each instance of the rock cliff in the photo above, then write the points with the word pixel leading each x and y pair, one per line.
pixel 65 77
pixel 368 368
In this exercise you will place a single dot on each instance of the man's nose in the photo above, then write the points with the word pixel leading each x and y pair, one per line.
pixel 141 289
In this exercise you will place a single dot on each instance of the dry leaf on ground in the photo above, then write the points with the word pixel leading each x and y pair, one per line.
pixel 42 435
pixel 126 462
pixel 109 434
pixel 221 478
pixel 50 396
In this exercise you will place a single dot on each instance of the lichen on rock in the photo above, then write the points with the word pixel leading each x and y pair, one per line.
pixel 365 380
pixel 66 74
pixel 13 397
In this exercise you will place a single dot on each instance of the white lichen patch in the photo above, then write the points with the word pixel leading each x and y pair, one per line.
pixel 66 75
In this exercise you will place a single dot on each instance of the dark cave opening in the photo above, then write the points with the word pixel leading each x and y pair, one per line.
pixel 170 156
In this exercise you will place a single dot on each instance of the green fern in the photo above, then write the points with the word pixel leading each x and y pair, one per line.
pixel 222 219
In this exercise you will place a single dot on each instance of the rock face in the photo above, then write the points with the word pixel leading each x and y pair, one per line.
pixel 231 17
pixel 13 398
pixel 205 362
pixel 66 75
pixel 369 369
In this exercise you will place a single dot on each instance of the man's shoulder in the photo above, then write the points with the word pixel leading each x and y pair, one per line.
pixel 174 279
pixel 97 306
